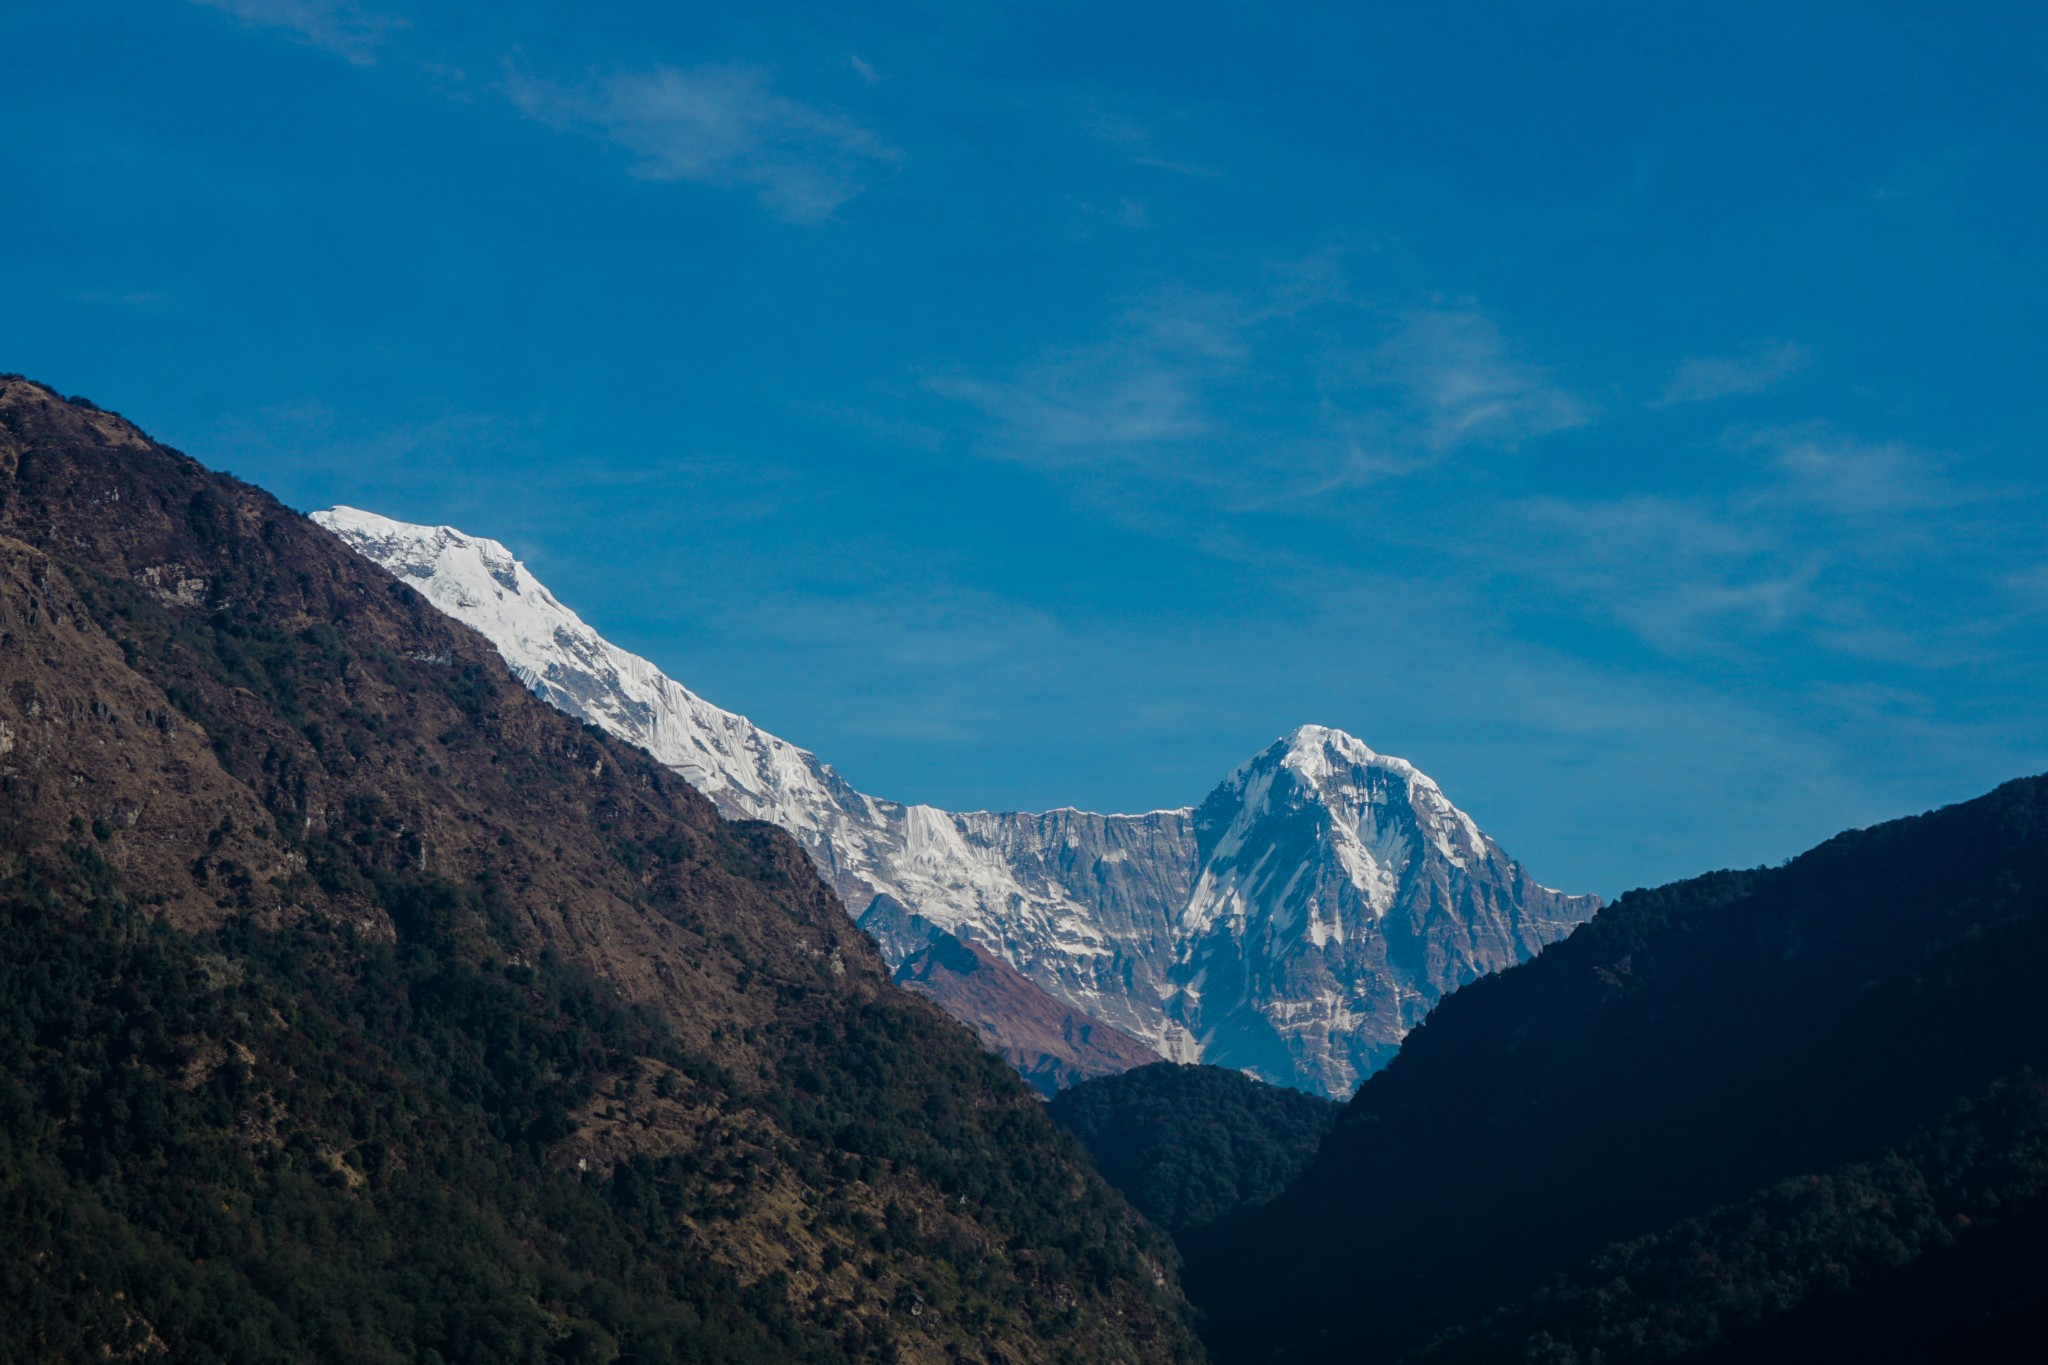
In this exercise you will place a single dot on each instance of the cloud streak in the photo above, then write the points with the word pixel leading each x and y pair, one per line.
pixel 717 125
pixel 1685 577
pixel 1463 386
pixel 338 26
pixel 1857 548
pixel 1823 468
pixel 1389 434
pixel 1703 379
pixel 1123 399
pixel 1263 397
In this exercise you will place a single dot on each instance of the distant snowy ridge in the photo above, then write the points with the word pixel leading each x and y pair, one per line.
pixel 727 757
pixel 992 878
pixel 1296 924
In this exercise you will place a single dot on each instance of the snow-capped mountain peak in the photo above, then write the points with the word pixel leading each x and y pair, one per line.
pixel 1339 894
pixel 1330 761
pixel 1295 924
pixel 998 879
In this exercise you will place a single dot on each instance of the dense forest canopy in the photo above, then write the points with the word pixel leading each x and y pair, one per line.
pixel 1933 1251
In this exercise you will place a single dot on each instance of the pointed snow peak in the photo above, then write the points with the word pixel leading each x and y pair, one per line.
pixel 1311 734
pixel 1318 752
pixel 1310 746
pixel 1327 764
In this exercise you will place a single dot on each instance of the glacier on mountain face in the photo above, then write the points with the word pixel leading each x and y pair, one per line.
pixel 1296 924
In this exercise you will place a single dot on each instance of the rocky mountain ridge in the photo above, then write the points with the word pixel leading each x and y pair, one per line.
pixel 1296 924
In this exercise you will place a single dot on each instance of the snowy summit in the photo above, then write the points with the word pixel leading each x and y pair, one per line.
pixel 1296 924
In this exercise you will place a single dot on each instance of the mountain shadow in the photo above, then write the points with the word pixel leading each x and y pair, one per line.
pixel 1933 1251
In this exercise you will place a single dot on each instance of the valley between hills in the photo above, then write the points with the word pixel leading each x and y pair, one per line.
pixel 392 969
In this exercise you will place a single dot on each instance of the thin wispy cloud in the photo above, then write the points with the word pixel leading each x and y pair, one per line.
pixel 1686 577
pixel 339 26
pixel 1121 399
pixel 1822 467
pixel 1464 386
pixel 713 124
pixel 717 125
pixel 1139 140
pixel 939 662
pixel 1393 432
pixel 1702 379
pixel 2030 587
pixel 306 437
pixel 1266 396
pixel 1862 548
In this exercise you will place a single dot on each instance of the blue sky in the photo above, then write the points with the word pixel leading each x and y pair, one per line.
pixel 1633 416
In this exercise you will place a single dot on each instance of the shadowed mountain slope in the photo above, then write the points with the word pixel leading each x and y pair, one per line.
pixel 1688 1048
pixel 1934 1250
pixel 356 1004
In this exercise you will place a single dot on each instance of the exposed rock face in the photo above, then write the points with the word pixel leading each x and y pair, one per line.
pixel 1091 912
pixel 1296 925
pixel 86 745
pixel 1051 1044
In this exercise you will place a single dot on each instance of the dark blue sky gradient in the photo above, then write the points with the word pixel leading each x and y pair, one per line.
pixel 1630 413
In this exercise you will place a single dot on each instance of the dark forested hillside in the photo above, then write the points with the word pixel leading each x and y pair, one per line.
pixel 1688 1049
pixel 1933 1251
pixel 355 1005
pixel 1190 1144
